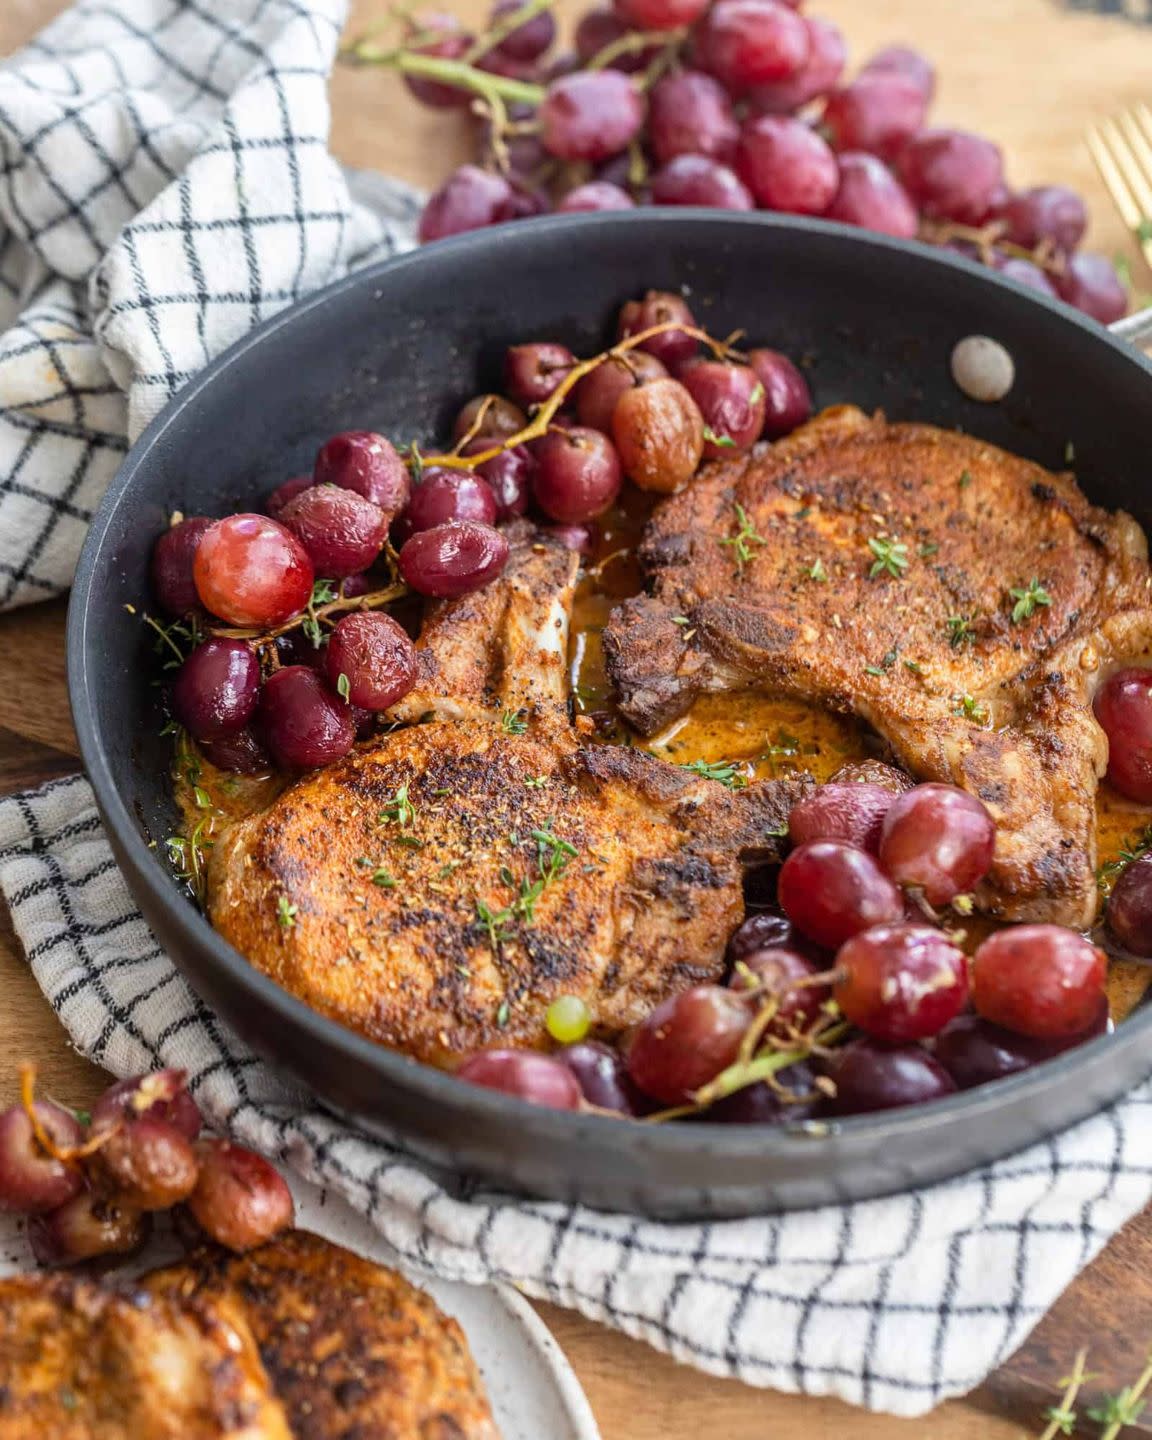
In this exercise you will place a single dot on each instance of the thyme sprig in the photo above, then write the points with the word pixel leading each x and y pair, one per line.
pixel 1135 847
pixel 744 537
pixel 891 557
pixel 726 772
pixel 1027 598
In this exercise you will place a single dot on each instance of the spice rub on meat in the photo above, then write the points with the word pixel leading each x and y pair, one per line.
pixel 440 887
pixel 962 601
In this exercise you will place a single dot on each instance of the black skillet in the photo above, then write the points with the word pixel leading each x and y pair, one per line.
pixel 397 348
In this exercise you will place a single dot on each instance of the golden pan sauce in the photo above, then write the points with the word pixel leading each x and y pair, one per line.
pixel 765 735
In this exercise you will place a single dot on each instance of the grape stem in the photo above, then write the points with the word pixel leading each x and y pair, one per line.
pixel 635 43
pixel 457 73
pixel 65 1154
pixel 372 601
pixel 988 239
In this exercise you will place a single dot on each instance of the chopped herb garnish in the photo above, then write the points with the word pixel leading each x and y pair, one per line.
pixel 971 709
pixel 744 539
pixel 915 667
pixel 725 442
pixel 400 809
pixel 803 512
pixel 343 686
pixel 873 670
pixel 536 782
pixel 409 840
pixel 681 620
pixel 383 878
pixel 960 631
pixel 323 592
pixel 1027 598
pixel 891 557
pixel 817 571
pixel 727 772
pixel 363 861
pixel 285 913
pixel 928 549
pixel 965 479
pixel 512 722
pixel 502 1013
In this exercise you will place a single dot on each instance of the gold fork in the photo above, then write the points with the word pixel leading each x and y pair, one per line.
pixel 1122 149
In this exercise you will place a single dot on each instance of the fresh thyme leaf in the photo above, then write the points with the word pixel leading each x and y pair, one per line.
pixel 725 442
pixel 757 394
pixel 965 479
pixel 970 709
pixel 928 549
pixel 502 1014
pixel 727 772
pixel 323 592
pixel 536 782
pixel 410 840
pixel 891 557
pixel 803 512
pixel 84 1116
pixel 202 798
pixel 512 722
pixel 817 571
pixel 959 631
pixel 744 538
pixel 507 876
pixel 1027 598
pixel 383 878
pixel 285 913
pixel 915 667
pixel 400 809
pixel 343 686
pixel 1063 1419
pixel 681 620
pixel 873 670
pixel 1135 846
pixel 1122 1409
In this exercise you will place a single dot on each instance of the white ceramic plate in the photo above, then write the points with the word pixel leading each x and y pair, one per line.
pixel 533 1390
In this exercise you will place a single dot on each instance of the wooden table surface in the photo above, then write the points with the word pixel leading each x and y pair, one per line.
pixel 1031 73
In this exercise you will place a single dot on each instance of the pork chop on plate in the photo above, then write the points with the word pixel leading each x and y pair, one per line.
pixel 962 601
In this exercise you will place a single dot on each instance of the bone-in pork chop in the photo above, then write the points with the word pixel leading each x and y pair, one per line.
pixel 439 888
pixel 960 600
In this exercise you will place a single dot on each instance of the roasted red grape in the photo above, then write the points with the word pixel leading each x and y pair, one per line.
pixel 1039 980
pixel 452 560
pixel 577 474
pixel 1046 212
pixel 172 558
pixel 303 722
pixel 872 197
pixel 242 753
pixel 496 416
pixel 659 435
pixel 531 39
pixel 751 42
pixel 85 1228
pixel 938 839
pixel 469 199
pixel 538 1079
pixel 697 180
pixel 869 1076
pixel 831 891
pixel 952 175
pixel 595 195
pixel 602 1076
pixel 759 932
pixel 439 35
pixel 1123 706
pixel 1129 912
pixel 974 1051
pixel 900 60
pixel 689 113
pixel 31 1181
pixel 162 1095
pixel 660 307
pixel 240 1200
pixel 216 689
pixel 146 1164
pixel 375 656
pixel 508 475
pixel 532 372
pixel 731 400
pixel 660 14
pixel 827 55
pixel 776 971
pixel 786 165
pixel 787 399
pixel 252 571
pixel 280 497
pixel 596 395
pixel 342 532
pixel 852 813
pixel 590 115
pixel 686 1041
pixel 1089 281
pixel 879 112
pixel 901 982
pixel 365 462
pixel 445 495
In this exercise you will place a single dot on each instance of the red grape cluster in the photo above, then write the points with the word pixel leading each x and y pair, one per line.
pixel 736 104
pixel 851 997
pixel 91 1187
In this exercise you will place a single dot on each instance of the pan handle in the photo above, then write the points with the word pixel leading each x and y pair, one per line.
pixel 1136 327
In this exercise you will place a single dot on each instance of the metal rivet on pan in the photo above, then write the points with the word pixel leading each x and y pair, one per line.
pixel 982 368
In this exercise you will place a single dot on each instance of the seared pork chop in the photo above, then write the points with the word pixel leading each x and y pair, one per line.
pixel 353 1350
pixel 438 889
pixel 964 602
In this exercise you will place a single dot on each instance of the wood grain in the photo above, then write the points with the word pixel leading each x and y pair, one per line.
pixel 1028 72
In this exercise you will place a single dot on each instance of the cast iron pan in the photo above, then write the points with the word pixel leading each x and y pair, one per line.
pixel 397 348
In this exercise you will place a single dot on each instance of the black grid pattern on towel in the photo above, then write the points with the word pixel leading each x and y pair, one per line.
pixel 165 184
pixel 894 1304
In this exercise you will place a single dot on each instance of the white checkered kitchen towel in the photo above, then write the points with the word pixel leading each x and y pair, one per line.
pixel 165 183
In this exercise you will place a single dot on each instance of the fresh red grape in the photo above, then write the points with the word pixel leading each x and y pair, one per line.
pixel 172 559
pixel 146 1164
pixel 593 196
pixel 523 203
pixel 786 165
pixel 759 932
pixel 731 400
pixel 751 42
pixel 162 1095
pixel 1039 980
pixel 696 180
pixel 454 559
pixel 252 571
pixel 376 657
pixel 686 1041
pixel 869 1076
pixel 1024 273
pixel 900 60
pixel 240 1200
pixel 775 971
pixel 496 415
pixel 601 1074
pixel 469 199
pixel 831 891
pixel 445 495
pixel 761 1104
pixel 659 435
pixel 508 475
pixel 1089 281
pixel 974 1051
pixel 689 113
pixel 577 474
pixel 538 1079
pixel 1129 912
pixel 878 112
pixel 278 498
pixel 365 462
pixel 590 115
pixel 660 307
pixel 1123 706
pixel 1046 212
pixel 938 839
pixel 952 175
pixel 597 394
pixel 901 982
pixel 660 14
pixel 31 1181
pixel 85 1228
pixel 532 372
pixel 342 532
pixel 216 689
pixel 827 55
pixel 302 721
pixel 242 753
pixel 787 399
pixel 531 39
pixel 441 36
pixel 870 196
pixel 852 813
pixel 596 30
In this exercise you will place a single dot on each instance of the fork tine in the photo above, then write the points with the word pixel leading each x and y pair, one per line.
pixel 1122 150
pixel 1139 170
pixel 1101 148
